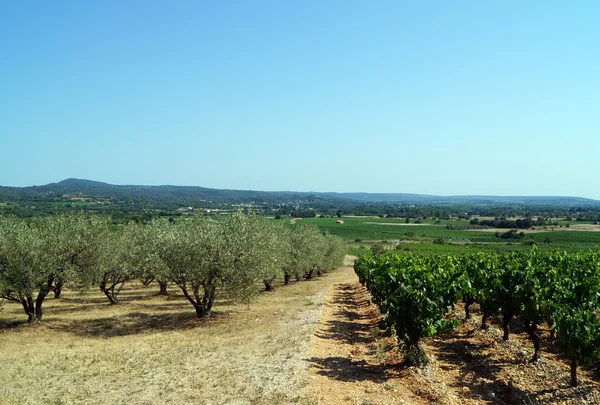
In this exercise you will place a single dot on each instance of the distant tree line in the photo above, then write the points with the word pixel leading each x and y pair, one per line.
pixel 512 234
pixel 450 211
pixel 502 222
pixel 124 205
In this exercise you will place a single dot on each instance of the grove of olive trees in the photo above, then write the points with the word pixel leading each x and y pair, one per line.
pixel 234 256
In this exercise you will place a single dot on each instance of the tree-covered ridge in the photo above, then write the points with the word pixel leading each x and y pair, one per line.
pixel 123 201
pixel 163 193
pixel 91 188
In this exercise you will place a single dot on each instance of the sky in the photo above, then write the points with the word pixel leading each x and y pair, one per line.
pixel 433 97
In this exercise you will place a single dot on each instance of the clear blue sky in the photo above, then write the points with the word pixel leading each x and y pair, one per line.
pixel 437 97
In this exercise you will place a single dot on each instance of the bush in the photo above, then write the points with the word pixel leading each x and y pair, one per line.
pixel 378 249
pixel 512 234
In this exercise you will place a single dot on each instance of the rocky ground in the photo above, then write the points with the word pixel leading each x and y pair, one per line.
pixel 351 362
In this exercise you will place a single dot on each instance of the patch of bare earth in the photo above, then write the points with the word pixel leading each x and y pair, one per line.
pixel 352 363
pixel 583 228
pixel 401 224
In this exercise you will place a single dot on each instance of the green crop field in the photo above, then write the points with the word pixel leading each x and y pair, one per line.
pixel 363 232
pixel 368 228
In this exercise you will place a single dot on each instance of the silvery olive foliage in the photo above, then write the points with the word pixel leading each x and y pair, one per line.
pixel 37 254
pixel 118 261
pixel 304 250
pixel 233 256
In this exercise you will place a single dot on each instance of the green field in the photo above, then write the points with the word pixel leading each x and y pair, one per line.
pixel 365 231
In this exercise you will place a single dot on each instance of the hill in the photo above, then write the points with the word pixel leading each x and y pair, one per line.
pixel 464 199
pixel 167 193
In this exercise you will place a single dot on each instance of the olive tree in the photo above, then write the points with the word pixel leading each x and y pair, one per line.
pixel 304 251
pixel 144 245
pixel 118 261
pixel 19 262
pixel 248 254
pixel 35 254
pixel 231 255
pixel 268 249
pixel 333 253
pixel 189 254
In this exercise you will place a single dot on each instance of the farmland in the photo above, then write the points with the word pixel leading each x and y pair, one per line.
pixel 253 347
pixel 365 231
pixel 150 348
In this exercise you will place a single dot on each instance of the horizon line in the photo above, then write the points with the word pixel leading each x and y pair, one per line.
pixel 314 192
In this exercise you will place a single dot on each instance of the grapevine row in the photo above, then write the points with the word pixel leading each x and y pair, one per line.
pixel 415 295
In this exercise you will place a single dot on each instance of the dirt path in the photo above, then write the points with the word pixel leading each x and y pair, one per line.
pixel 347 364
pixel 352 363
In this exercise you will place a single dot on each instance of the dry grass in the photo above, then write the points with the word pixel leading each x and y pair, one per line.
pixel 153 350
pixel 583 228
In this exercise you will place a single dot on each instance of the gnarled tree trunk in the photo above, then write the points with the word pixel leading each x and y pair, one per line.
pixel 28 307
pixel 202 304
pixel 109 284
pixel 40 298
pixel 163 287
pixel 146 281
pixel 57 287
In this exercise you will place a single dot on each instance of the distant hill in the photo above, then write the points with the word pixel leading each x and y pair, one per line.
pixel 463 199
pixel 167 193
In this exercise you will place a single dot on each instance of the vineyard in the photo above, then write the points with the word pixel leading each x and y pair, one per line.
pixel 416 293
